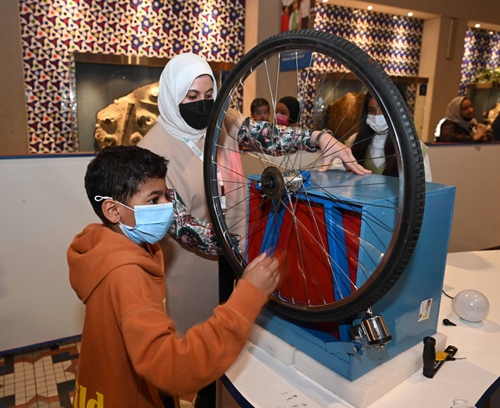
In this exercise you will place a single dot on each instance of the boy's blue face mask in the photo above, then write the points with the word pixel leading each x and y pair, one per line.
pixel 152 222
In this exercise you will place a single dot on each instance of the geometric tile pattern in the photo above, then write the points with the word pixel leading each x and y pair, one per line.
pixel 52 30
pixel 39 377
pixel 394 41
pixel 481 51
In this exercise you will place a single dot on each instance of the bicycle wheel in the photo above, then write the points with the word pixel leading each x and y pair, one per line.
pixel 342 239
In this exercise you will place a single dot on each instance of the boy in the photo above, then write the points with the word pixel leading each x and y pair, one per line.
pixel 130 355
pixel 259 109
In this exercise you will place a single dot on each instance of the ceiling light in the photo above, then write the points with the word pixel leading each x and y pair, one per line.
pixel 370 7
pixel 410 14
pixel 477 25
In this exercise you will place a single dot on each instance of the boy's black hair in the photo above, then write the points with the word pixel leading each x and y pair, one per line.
pixel 119 172
pixel 257 103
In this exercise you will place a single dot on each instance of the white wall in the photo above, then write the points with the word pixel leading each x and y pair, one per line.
pixel 44 205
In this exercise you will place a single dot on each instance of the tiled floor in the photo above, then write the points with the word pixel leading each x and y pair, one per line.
pixel 42 377
pixel 39 377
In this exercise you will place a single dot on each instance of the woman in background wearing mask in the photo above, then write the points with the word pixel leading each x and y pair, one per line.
pixel 372 147
pixel 287 111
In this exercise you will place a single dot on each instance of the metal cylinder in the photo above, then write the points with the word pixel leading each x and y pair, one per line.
pixel 375 330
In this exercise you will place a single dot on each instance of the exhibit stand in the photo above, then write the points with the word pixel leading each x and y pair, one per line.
pixel 270 372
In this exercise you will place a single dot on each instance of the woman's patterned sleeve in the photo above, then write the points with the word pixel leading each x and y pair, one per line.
pixel 195 233
pixel 270 138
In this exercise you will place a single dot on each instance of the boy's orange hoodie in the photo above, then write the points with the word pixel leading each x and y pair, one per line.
pixel 129 351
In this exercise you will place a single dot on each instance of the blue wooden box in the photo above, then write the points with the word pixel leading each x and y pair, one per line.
pixel 402 306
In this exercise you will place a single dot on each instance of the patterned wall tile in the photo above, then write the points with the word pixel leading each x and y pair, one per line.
pixel 481 50
pixel 51 30
pixel 394 41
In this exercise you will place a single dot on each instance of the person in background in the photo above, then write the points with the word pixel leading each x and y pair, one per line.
pixel 131 355
pixel 285 19
pixel 460 124
pixel 372 147
pixel 304 8
pixel 259 109
pixel 294 20
pixel 287 111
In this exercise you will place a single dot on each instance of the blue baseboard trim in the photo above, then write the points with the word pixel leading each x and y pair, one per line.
pixel 40 345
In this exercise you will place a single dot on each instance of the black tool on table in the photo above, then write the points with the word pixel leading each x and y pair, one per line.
pixel 432 361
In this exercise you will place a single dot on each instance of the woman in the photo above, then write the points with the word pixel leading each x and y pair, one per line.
pixel 287 111
pixel 186 96
pixel 460 124
pixel 372 147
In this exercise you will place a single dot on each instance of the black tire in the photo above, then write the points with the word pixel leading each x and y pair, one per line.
pixel 408 190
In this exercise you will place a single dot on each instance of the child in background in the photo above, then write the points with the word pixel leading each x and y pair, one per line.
pixel 130 355
pixel 260 110
pixel 287 111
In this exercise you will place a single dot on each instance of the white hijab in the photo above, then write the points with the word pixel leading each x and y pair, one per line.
pixel 175 82
pixel 453 113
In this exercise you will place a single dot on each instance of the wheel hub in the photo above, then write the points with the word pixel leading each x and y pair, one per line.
pixel 274 183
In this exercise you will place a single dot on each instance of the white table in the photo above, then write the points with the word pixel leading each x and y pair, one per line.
pixel 257 379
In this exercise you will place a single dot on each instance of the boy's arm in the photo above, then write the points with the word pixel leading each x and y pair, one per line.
pixel 191 231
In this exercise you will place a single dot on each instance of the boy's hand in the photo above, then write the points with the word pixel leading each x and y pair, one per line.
pixel 263 272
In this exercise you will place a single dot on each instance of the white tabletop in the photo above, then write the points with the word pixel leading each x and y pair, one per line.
pixel 265 382
pixel 476 341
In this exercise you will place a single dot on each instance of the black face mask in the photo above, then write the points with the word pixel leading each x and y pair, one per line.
pixel 196 114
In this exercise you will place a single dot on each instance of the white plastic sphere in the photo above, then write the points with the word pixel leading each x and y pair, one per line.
pixel 471 305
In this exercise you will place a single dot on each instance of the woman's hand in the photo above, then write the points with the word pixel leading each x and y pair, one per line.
pixel 333 149
pixel 478 135
pixel 481 134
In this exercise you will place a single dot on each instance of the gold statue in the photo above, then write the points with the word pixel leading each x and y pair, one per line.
pixel 128 118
